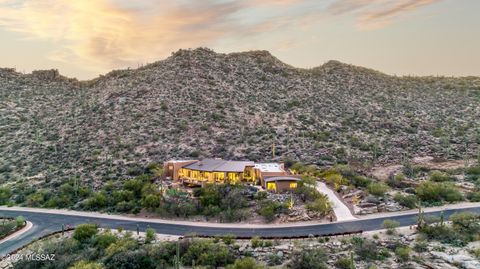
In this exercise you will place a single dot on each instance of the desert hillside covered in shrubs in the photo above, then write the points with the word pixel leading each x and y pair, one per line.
pixel 200 103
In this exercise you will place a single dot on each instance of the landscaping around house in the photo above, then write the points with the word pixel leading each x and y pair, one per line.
pixel 9 226
pixel 145 192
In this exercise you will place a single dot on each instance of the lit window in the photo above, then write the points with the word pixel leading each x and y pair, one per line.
pixel 293 185
pixel 271 186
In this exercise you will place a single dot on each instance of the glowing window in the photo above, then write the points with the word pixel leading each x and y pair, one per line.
pixel 271 186
pixel 293 185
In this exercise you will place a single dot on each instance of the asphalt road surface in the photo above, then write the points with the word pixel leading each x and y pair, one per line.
pixel 46 223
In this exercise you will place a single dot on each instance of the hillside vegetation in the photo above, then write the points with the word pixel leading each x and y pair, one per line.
pixel 201 103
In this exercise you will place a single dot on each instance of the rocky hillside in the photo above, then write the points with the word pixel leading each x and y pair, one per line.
pixel 201 103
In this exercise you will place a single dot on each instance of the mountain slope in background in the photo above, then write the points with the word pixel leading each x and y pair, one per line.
pixel 201 103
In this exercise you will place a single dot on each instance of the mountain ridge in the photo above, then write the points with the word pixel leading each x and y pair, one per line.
pixel 266 55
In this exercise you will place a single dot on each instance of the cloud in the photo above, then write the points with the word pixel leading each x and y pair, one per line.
pixel 340 7
pixel 107 34
pixel 103 34
pixel 374 14
pixel 383 16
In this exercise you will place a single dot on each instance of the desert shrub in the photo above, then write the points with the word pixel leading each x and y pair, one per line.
pixel 256 242
pixel 473 173
pixel 124 206
pixel 151 201
pixel 366 249
pixel 245 263
pixel 308 180
pixel 476 253
pixel 335 179
pixel 360 181
pixel 5 194
pixel 409 201
pixel 261 195
pixel 396 181
pixel 403 253
pixel 442 233
pixel 307 193
pixel 268 209
pixel 105 239
pixel 135 186
pixel 344 263
pixel 149 235
pixel 133 259
pixel 474 196
pixel 390 225
pixel 321 205
pixel 420 246
pixel 7 227
pixel 274 259
pixel 467 224
pixel 465 228
pixel 38 198
pixel 124 244
pixel 438 176
pixel 377 188
pixel 87 265
pixel 226 201
pixel 207 253
pixel 123 196
pixel 19 221
pixel 85 232
pixel 228 239
pixel 98 201
pixel 311 258
pixel 183 209
pixel 430 191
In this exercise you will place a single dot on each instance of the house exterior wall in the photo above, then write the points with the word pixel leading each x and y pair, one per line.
pixel 284 185
pixel 273 174
pixel 171 167
pixel 280 185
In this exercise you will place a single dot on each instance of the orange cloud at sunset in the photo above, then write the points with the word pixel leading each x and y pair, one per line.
pixel 104 34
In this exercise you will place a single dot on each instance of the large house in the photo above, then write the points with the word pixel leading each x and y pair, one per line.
pixel 271 176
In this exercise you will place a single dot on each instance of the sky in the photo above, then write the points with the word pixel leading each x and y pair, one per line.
pixel 84 38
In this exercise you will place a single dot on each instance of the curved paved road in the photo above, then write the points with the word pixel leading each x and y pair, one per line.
pixel 45 223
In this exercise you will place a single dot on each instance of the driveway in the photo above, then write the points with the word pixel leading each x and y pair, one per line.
pixel 341 210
